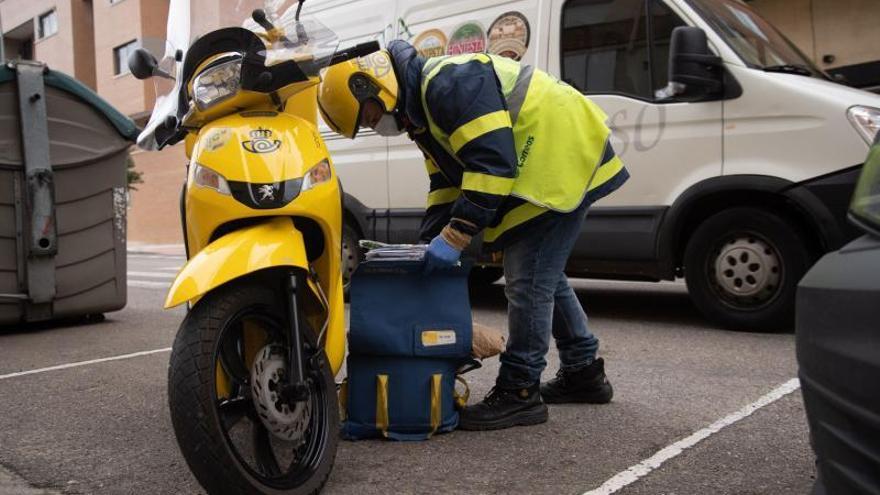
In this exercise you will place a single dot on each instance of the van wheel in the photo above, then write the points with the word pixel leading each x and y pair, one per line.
pixel 351 255
pixel 742 267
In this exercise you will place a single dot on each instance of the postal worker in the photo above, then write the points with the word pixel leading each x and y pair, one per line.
pixel 513 154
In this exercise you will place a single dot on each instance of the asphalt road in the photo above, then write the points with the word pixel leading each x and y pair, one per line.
pixel 679 414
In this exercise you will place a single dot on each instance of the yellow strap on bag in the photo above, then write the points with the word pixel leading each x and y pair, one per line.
pixel 436 402
pixel 461 399
pixel 382 404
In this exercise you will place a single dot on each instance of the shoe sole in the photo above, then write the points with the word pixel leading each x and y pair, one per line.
pixel 527 417
pixel 599 398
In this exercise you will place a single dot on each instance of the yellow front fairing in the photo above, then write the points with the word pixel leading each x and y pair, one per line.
pixel 227 236
pixel 275 146
pixel 254 148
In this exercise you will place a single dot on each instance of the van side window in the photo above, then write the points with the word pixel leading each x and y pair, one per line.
pixel 663 21
pixel 605 46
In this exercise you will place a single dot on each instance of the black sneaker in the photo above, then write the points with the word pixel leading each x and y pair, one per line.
pixel 587 384
pixel 503 408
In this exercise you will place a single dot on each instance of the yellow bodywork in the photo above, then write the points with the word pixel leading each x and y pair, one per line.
pixel 221 147
pixel 266 245
pixel 270 237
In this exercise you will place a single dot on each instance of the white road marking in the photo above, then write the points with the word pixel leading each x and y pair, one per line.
pixel 156 274
pixel 642 469
pixel 166 257
pixel 143 284
pixel 84 363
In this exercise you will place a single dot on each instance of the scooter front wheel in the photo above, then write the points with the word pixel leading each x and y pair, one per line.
pixel 235 430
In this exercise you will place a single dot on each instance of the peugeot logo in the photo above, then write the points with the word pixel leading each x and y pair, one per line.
pixel 266 192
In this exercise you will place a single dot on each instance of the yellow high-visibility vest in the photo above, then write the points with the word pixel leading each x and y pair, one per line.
pixel 560 137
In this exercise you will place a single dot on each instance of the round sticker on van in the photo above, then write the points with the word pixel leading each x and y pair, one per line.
pixel 431 43
pixel 509 35
pixel 467 38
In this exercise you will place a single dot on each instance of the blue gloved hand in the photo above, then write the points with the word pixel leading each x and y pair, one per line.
pixel 440 255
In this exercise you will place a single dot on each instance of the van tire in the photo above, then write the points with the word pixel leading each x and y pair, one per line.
pixel 352 255
pixel 742 267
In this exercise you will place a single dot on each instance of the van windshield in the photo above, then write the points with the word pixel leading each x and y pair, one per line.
pixel 755 40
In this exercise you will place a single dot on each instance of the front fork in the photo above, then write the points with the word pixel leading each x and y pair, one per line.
pixel 297 387
pixel 298 383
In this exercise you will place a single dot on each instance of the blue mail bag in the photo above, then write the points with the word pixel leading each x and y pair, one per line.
pixel 409 333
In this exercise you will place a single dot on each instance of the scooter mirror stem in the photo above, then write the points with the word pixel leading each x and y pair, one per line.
pixel 259 16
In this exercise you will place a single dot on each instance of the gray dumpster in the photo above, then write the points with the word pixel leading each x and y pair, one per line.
pixel 63 155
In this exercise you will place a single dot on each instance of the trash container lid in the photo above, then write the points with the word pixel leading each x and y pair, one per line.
pixel 59 80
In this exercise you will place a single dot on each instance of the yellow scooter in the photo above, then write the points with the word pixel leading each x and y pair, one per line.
pixel 251 378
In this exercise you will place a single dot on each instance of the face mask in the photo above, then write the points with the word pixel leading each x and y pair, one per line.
pixel 388 126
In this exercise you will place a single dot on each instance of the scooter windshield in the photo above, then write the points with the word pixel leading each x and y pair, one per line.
pixel 285 38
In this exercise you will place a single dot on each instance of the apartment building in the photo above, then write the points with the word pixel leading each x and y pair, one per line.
pixel 91 40
pixel 58 32
pixel 88 39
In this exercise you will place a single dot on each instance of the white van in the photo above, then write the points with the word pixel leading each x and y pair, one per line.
pixel 740 178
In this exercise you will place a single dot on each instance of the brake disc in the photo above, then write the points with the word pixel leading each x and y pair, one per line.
pixel 267 377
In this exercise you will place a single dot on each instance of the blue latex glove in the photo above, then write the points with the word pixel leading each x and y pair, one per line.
pixel 440 255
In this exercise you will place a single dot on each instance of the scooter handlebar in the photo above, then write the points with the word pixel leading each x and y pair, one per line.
pixel 359 50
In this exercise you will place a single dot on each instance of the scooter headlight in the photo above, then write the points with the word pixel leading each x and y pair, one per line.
pixel 318 174
pixel 866 120
pixel 205 177
pixel 217 84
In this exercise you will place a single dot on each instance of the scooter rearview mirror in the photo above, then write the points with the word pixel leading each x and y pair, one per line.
pixel 142 64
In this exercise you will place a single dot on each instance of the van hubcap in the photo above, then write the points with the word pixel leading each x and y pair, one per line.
pixel 748 270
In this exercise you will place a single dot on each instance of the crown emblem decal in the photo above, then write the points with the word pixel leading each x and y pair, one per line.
pixel 261 142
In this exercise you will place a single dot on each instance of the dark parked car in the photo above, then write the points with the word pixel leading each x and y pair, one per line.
pixel 838 350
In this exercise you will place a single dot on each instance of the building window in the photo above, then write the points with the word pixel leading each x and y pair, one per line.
pixel 47 24
pixel 120 57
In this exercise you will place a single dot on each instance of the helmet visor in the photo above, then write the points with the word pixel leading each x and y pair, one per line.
pixel 342 115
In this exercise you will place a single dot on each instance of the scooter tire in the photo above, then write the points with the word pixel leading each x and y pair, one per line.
pixel 191 397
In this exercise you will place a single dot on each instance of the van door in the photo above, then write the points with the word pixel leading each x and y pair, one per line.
pixel 362 164
pixel 454 26
pixel 616 52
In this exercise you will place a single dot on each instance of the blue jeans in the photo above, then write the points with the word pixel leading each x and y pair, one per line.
pixel 540 302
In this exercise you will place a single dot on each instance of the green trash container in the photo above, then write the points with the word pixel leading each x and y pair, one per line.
pixel 63 158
